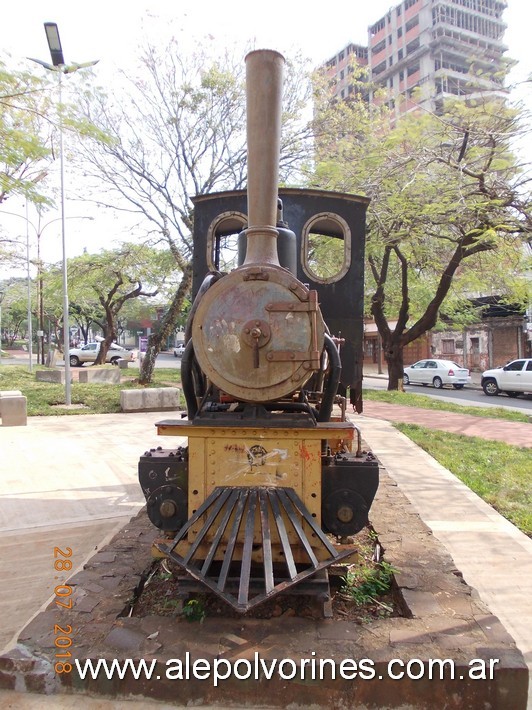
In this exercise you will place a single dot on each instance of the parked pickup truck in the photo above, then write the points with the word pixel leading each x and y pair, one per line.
pixel 513 379
pixel 89 352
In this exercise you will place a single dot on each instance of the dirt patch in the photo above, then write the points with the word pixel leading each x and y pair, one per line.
pixel 70 406
pixel 162 594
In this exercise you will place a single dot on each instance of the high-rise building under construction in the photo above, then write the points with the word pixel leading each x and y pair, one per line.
pixel 423 51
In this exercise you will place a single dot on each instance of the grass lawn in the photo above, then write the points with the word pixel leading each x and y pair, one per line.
pixel 500 474
pixel 45 398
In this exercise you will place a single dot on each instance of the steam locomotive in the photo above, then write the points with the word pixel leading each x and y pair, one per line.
pixel 273 473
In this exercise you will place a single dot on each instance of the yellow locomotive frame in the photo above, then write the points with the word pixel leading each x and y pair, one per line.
pixel 257 457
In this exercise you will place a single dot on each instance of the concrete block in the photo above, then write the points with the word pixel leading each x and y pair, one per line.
pixel 13 410
pixel 156 399
pixel 108 375
pixel 123 364
pixel 57 376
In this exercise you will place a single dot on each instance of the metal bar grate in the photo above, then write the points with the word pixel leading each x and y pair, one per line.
pixel 232 517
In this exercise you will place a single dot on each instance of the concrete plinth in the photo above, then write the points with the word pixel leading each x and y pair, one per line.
pixel 151 399
pixel 100 375
pixel 56 376
pixel 13 408
pixel 444 620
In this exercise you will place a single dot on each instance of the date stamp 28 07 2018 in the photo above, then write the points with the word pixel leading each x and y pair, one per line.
pixel 63 594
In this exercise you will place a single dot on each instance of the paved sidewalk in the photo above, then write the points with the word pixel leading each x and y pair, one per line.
pixel 65 481
pixel 492 554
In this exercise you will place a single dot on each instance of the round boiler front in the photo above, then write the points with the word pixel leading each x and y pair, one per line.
pixel 258 333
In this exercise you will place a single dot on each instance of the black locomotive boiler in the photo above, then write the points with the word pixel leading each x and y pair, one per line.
pixel 272 470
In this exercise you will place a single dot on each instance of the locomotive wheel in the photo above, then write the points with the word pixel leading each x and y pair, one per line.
pixel 344 512
pixel 167 508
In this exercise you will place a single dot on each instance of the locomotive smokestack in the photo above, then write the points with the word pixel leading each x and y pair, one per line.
pixel 264 85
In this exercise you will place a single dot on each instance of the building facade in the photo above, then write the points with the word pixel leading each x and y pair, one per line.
pixel 424 51
pixel 503 333
pixel 339 68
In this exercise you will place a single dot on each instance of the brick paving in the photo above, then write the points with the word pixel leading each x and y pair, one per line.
pixel 509 432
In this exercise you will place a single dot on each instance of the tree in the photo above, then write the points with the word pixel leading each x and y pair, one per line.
pixel 24 141
pixel 23 108
pixel 179 131
pixel 14 309
pixel 450 208
pixel 100 284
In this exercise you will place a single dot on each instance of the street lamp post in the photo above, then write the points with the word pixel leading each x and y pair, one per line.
pixel 58 65
pixel 2 294
pixel 28 283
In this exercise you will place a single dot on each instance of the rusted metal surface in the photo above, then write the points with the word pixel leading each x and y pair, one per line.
pixel 264 88
pixel 237 333
pixel 228 510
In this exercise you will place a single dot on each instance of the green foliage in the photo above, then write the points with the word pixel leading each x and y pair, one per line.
pixel 325 255
pixel 15 309
pixel 120 270
pixel 194 610
pixel 365 583
pixel 23 133
pixel 450 206
pixel 100 285
pixel 171 605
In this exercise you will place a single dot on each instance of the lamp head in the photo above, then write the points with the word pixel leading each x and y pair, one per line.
pixel 54 43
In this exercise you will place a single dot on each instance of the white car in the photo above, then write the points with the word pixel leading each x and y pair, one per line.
pixel 512 379
pixel 179 350
pixel 89 352
pixel 436 373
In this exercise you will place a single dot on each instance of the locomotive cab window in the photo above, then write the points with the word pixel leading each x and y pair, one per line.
pixel 326 248
pixel 222 241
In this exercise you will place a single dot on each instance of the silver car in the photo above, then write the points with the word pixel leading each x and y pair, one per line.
pixel 89 352
pixel 436 373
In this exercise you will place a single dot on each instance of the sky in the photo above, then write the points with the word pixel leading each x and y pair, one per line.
pixel 111 32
